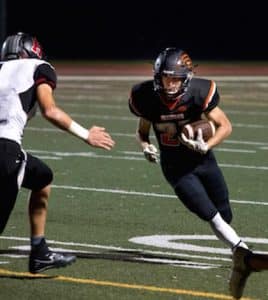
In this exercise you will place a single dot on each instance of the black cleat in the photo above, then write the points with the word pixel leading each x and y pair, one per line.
pixel 239 273
pixel 42 259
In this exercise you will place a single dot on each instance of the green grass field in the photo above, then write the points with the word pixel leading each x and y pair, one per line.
pixel 132 236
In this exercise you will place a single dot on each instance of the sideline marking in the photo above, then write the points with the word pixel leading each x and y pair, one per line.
pixel 4 272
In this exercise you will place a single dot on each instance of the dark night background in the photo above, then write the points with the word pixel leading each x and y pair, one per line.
pixel 85 29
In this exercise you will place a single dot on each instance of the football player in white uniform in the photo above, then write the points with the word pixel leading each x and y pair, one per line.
pixel 27 80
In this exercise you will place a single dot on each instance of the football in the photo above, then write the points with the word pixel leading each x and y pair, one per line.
pixel 208 129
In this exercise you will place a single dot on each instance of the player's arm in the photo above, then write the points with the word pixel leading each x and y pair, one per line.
pixel 143 132
pixel 223 126
pixel 95 136
pixel 223 130
pixel 143 138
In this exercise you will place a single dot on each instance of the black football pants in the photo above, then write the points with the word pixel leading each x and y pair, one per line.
pixel 202 189
pixel 37 175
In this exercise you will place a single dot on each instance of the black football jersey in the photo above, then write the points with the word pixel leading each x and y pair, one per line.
pixel 200 97
pixel 18 81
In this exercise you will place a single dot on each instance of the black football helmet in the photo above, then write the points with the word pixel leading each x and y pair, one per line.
pixel 172 62
pixel 21 45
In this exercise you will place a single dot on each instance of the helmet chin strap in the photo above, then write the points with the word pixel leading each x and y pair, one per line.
pixel 187 80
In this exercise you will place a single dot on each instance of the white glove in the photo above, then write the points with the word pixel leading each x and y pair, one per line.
pixel 198 145
pixel 150 153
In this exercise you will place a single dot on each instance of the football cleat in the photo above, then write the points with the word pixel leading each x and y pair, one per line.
pixel 239 273
pixel 42 259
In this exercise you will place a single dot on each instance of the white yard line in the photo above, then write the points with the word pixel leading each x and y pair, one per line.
pixel 143 194
pixel 90 154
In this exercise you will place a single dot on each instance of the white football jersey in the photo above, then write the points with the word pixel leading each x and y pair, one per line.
pixel 18 81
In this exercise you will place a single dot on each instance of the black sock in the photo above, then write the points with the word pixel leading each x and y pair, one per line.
pixel 37 241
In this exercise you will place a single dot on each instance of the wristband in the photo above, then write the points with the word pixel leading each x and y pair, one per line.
pixel 78 130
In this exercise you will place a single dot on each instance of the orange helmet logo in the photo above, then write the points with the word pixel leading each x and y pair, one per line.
pixel 185 60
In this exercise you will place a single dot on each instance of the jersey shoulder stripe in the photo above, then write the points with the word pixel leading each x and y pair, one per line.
pixel 210 94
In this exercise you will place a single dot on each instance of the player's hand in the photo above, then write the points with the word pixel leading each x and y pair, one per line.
pixel 198 145
pixel 150 153
pixel 99 138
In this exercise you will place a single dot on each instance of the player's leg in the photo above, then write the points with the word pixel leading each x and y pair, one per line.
pixel 9 166
pixel 213 180
pixel 38 205
pixel 205 208
pixel 38 177
pixel 191 190
pixel 214 183
pixel 218 192
pixel 8 195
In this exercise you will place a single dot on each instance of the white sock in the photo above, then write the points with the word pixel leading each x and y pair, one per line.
pixel 226 233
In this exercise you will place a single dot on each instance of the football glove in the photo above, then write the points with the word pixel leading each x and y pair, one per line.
pixel 198 145
pixel 150 153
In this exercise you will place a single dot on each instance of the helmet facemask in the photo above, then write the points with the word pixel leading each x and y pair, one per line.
pixel 174 63
pixel 174 86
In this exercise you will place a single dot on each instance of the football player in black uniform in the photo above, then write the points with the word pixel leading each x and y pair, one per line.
pixel 173 98
pixel 28 81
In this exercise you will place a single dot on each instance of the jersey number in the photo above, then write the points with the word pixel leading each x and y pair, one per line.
pixel 168 134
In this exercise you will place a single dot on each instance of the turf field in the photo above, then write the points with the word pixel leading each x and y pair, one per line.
pixel 132 237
